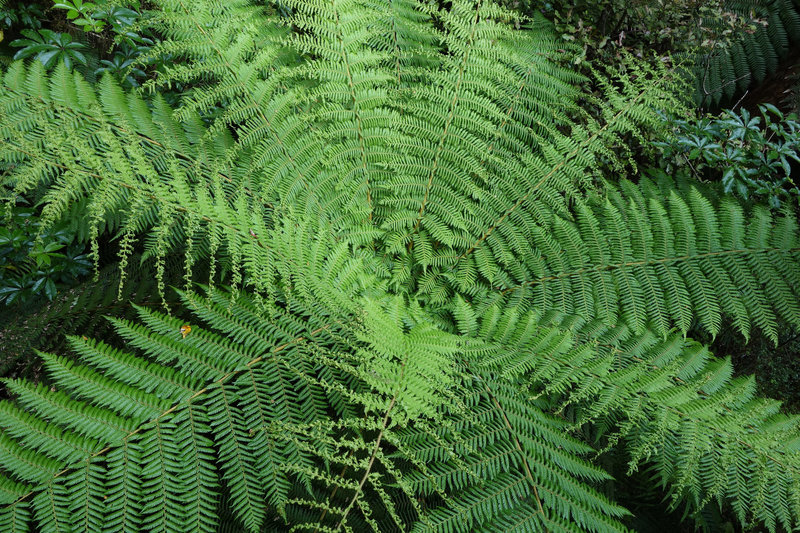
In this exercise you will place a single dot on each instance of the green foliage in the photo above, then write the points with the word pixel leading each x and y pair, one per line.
pixel 436 312
pixel 729 45
pixel 725 72
pixel 81 14
pixel 122 65
pixel 27 15
pixel 116 41
pixel 92 17
pixel 673 406
pixel 250 408
pixel 51 48
pixel 661 26
pixel 35 261
pixel 659 257
pixel 748 157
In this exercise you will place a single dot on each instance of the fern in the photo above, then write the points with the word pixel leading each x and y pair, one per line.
pixel 724 73
pixel 703 434
pixel 653 256
pixel 436 312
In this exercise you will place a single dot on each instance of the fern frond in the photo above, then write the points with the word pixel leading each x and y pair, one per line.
pixel 506 464
pixel 135 433
pixel 668 403
pixel 110 149
pixel 666 261
pixel 706 435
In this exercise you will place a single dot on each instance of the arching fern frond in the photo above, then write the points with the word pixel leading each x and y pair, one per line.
pixel 508 466
pixel 113 152
pixel 708 437
pixel 704 435
pixel 646 256
pixel 215 405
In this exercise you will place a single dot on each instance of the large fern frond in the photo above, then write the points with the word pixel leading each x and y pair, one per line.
pixel 649 256
pixel 677 409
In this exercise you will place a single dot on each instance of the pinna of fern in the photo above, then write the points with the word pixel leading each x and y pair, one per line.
pixel 410 195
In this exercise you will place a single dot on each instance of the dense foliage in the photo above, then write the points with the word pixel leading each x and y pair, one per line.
pixel 750 155
pixel 728 45
pixel 94 38
pixel 428 303
pixel 33 263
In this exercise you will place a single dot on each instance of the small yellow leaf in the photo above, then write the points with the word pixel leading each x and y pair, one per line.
pixel 185 329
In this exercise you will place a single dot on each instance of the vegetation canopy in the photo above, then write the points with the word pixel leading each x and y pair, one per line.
pixel 437 311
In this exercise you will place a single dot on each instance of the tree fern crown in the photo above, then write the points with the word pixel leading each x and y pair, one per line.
pixel 435 312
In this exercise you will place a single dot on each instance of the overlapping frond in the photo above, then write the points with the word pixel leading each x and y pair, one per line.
pixel 483 165
pixel 241 404
pixel 677 410
pixel 652 257
pixel 442 289
pixel 124 159
pixel 506 465
pixel 126 434
pixel 704 435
